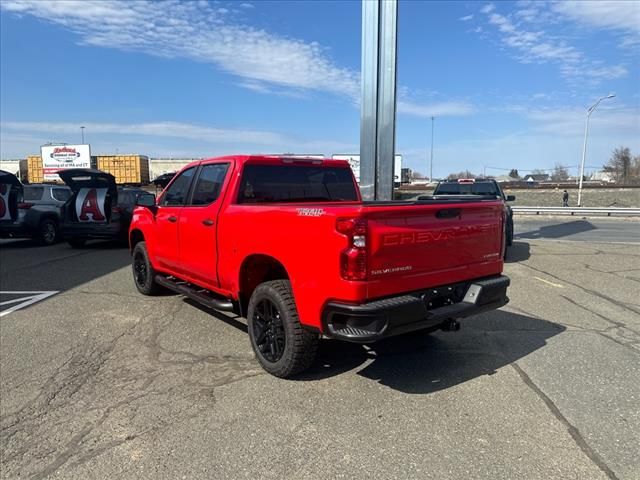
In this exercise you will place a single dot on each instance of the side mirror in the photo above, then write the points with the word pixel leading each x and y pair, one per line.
pixel 146 200
pixel 511 198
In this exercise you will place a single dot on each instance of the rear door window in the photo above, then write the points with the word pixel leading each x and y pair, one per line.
pixel 209 184
pixel 177 192
pixel 124 198
pixel 33 193
pixel 61 194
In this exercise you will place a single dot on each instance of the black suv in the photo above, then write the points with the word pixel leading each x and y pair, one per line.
pixel 97 209
pixel 479 186
pixel 31 211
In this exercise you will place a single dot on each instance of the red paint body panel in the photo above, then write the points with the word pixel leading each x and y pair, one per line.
pixel 408 247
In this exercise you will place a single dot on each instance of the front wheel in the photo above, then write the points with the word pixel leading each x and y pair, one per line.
pixel 143 272
pixel 283 347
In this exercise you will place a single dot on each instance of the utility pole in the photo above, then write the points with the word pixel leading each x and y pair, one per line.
pixel 82 132
pixel 584 145
pixel 431 164
pixel 378 101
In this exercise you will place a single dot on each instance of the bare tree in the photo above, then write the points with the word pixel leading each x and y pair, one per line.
pixel 560 173
pixel 620 164
pixel 465 174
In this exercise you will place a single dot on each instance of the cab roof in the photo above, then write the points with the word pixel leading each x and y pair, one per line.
pixel 272 160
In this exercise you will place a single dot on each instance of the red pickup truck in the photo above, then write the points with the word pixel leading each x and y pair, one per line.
pixel 289 244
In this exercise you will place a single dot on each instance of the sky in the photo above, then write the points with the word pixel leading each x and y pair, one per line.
pixel 508 83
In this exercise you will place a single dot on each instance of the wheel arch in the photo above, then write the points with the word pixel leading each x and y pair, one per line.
pixel 254 270
pixel 135 236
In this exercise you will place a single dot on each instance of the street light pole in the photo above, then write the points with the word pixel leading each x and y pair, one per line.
pixel 82 131
pixel 584 145
pixel 431 163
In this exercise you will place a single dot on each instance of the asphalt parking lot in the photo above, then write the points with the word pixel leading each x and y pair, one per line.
pixel 97 381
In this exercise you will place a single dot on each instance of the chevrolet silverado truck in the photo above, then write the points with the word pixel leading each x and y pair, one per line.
pixel 289 244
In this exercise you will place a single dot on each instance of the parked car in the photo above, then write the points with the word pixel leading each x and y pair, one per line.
pixel 479 186
pixel 97 207
pixel 289 244
pixel 161 181
pixel 31 211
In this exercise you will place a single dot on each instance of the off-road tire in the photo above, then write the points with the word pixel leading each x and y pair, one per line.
pixel 143 272
pixel 47 233
pixel 300 345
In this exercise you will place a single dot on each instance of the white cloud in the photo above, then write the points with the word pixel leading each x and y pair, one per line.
pixel 488 8
pixel 466 18
pixel 568 121
pixel 622 17
pixel 540 47
pixel 617 15
pixel 442 109
pixel 246 5
pixel 171 138
pixel 164 129
pixel 265 62
pixel 199 32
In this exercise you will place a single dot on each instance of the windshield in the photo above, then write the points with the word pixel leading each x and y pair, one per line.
pixel 455 188
pixel 296 183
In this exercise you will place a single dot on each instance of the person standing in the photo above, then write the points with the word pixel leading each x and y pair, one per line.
pixel 565 199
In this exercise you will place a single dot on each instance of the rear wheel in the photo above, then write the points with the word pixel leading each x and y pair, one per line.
pixel 283 347
pixel 77 242
pixel 47 233
pixel 143 272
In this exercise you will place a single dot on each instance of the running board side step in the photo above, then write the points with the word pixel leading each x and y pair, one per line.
pixel 198 294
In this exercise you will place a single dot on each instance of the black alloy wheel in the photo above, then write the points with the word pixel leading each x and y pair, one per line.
pixel 140 270
pixel 143 273
pixel 282 345
pixel 268 330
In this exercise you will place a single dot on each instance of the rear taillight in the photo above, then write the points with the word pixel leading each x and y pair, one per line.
pixel 353 259
pixel 25 206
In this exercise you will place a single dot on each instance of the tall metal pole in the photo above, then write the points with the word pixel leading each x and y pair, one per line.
pixel 584 145
pixel 378 101
pixel 584 153
pixel 82 131
pixel 431 163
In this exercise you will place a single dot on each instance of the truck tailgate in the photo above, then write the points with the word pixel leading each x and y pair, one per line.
pixel 423 245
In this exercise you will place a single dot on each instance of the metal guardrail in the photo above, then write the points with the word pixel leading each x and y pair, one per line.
pixel 608 211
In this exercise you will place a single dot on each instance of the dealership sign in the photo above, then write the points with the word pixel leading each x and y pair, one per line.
pixel 59 157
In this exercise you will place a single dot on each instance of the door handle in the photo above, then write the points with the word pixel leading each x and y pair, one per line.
pixel 208 222
pixel 172 219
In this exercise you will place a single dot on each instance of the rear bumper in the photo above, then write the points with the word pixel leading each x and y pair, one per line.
pixel 428 309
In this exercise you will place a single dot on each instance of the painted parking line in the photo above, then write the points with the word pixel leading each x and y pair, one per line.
pixel 557 285
pixel 25 299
